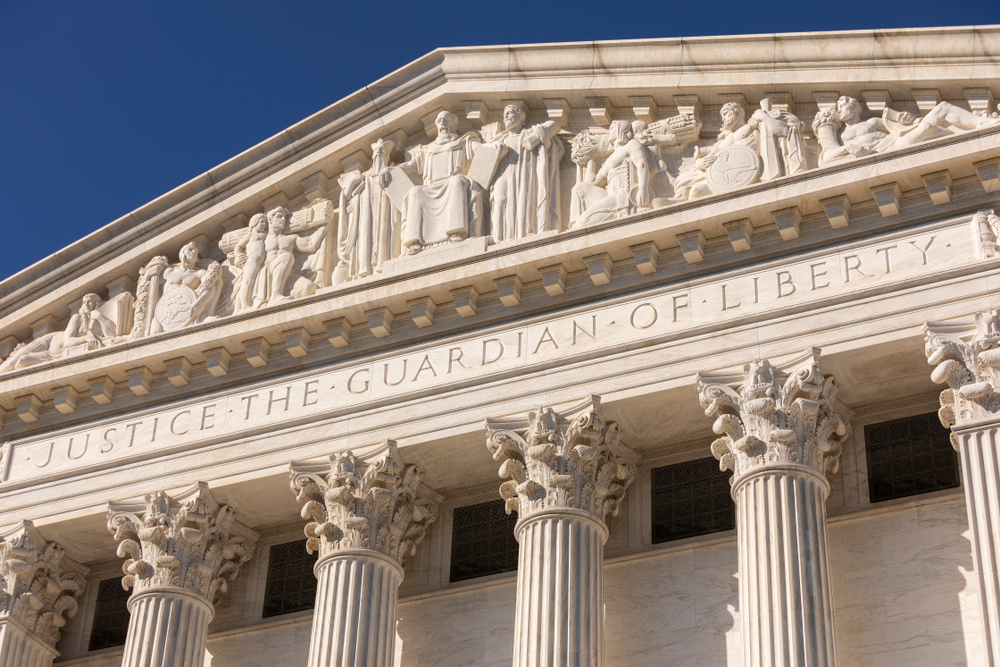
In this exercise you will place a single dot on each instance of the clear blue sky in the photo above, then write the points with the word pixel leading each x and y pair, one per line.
pixel 106 105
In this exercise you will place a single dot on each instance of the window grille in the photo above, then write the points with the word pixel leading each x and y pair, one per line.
pixel 909 456
pixel 690 498
pixel 291 583
pixel 482 541
pixel 111 615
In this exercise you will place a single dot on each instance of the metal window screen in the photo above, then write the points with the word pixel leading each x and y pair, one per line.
pixel 291 583
pixel 909 456
pixel 690 498
pixel 482 541
pixel 111 615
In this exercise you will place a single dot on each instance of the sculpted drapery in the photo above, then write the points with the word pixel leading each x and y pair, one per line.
pixel 524 199
pixel 368 235
pixel 447 206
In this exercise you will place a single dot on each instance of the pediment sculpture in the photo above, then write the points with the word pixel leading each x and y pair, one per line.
pixel 633 175
pixel 89 328
pixel 842 135
pixel 447 204
pixel 767 146
pixel 507 183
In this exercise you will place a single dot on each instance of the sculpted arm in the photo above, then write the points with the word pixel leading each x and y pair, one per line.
pixel 310 243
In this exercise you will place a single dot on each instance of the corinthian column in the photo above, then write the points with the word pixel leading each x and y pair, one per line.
pixel 780 436
pixel 970 407
pixel 567 472
pixel 39 587
pixel 366 518
pixel 182 553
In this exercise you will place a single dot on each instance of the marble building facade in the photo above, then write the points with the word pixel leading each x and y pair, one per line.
pixel 537 276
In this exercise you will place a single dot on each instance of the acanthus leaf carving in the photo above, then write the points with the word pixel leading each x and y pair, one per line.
pixel 775 417
pixel 971 369
pixel 39 584
pixel 188 541
pixel 569 460
pixel 379 505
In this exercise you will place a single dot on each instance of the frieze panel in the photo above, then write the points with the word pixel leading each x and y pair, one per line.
pixel 664 312
pixel 502 183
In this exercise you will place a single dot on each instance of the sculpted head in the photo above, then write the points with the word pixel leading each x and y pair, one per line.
pixel 190 254
pixel 620 132
pixel 380 153
pixel 277 218
pixel 446 123
pixel 733 115
pixel 258 223
pixel 89 303
pixel 513 116
pixel 848 109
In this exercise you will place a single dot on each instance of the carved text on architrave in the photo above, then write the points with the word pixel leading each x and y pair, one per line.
pixel 666 312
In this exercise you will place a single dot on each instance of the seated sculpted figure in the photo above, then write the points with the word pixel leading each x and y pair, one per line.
pixel 173 296
pixel 773 148
pixel 87 326
pixel 843 135
pixel 447 206
pixel 275 282
pixel 524 199
pixel 633 176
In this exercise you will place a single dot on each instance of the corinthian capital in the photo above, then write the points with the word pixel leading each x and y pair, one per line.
pixel 39 585
pixel 775 417
pixel 188 541
pixel 569 460
pixel 970 369
pixel 379 505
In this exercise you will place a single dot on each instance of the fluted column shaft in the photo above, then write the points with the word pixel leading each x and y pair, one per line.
pixel 21 648
pixel 560 591
pixel 355 614
pixel 167 628
pixel 979 449
pixel 786 606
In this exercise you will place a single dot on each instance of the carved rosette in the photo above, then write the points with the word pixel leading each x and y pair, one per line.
pixel 39 585
pixel 970 369
pixel 379 506
pixel 569 460
pixel 775 418
pixel 188 542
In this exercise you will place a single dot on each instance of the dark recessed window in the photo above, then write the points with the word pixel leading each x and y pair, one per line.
pixel 482 541
pixel 909 456
pixel 691 498
pixel 110 615
pixel 291 584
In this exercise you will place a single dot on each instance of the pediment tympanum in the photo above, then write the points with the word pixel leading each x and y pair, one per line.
pixel 446 165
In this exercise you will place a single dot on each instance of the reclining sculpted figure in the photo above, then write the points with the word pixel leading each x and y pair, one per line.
pixel 844 136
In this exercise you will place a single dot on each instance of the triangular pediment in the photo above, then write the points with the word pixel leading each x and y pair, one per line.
pixel 433 199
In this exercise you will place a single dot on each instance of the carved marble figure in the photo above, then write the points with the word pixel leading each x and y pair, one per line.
pixel 633 175
pixel 173 296
pixel 250 254
pixel 767 146
pixel 447 206
pixel 368 234
pixel 87 327
pixel 277 280
pixel 843 135
pixel 524 199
